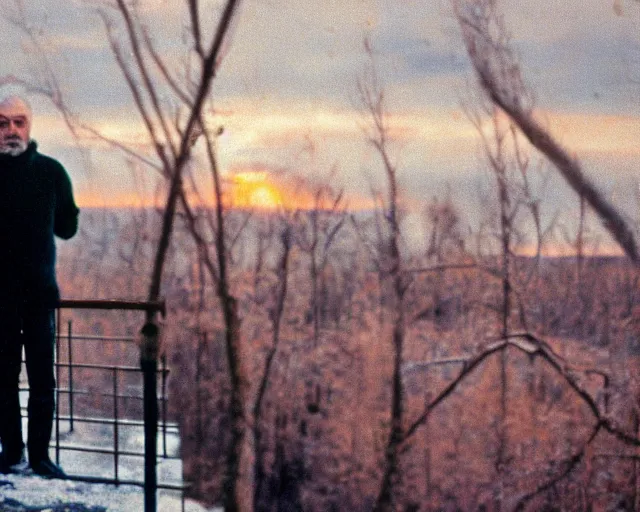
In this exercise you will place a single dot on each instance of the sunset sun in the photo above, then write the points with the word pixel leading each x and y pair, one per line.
pixel 265 197
pixel 252 189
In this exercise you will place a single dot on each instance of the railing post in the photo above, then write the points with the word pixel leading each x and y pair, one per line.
pixel 116 427
pixel 149 349
pixel 58 337
pixel 70 373
pixel 163 401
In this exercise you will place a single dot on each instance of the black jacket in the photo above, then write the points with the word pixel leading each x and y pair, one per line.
pixel 36 203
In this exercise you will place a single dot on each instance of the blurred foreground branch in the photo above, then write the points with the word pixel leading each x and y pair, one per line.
pixel 499 74
pixel 533 347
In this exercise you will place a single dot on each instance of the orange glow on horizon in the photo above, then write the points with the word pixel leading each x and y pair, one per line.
pixel 245 189
pixel 560 250
pixel 261 190
pixel 118 200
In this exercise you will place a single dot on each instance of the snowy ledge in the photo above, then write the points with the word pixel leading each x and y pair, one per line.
pixel 21 493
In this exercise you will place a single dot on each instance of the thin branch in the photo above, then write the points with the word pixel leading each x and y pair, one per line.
pixel 569 465
pixel 499 75
pixel 194 14
pixel 201 243
pixel 164 72
pixel 207 75
pixel 137 97
pixel 243 225
pixel 455 266
pixel 149 85
pixel 533 346
pixel 468 368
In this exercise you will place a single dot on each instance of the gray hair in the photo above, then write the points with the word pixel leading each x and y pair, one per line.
pixel 15 106
pixel 16 103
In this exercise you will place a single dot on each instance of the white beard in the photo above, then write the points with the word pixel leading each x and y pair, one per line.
pixel 13 148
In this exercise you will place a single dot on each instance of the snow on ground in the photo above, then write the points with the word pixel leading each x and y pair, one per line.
pixel 37 492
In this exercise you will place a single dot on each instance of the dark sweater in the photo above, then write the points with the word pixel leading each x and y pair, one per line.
pixel 36 203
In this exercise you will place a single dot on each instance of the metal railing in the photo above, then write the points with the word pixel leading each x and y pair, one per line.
pixel 153 408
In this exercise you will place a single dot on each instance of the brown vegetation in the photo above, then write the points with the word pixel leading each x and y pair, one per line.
pixel 325 416
pixel 319 364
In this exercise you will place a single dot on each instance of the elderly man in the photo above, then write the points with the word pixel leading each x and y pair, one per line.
pixel 36 203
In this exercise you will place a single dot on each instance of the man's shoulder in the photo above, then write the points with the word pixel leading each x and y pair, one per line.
pixel 46 160
pixel 48 164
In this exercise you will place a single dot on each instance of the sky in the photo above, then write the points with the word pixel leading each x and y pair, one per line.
pixel 286 92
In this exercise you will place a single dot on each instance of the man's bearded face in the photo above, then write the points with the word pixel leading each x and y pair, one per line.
pixel 15 127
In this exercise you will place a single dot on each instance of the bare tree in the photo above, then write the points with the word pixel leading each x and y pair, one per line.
pixel 318 231
pixel 508 164
pixel 443 221
pixel 276 314
pixel 393 285
pixel 172 109
pixel 499 74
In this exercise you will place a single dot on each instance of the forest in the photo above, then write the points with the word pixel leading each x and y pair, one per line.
pixel 375 351
pixel 520 408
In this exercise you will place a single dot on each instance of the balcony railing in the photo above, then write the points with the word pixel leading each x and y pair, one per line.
pixel 139 406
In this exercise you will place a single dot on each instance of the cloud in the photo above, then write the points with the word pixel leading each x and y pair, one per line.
pixel 286 93
pixel 283 120
pixel 561 19
pixel 299 135
pixel 597 133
